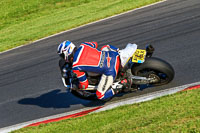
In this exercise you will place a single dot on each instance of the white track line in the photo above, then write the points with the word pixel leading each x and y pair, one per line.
pixel 138 99
pixel 147 97
pixel 24 124
pixel 84 26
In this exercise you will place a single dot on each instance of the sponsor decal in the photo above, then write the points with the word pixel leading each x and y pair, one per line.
pixel 102 59
pixel 108 60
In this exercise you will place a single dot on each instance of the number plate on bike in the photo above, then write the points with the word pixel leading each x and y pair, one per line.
pixel 139 56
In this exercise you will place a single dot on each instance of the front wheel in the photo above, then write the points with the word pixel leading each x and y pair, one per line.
pixel 157 69
pixel 84 94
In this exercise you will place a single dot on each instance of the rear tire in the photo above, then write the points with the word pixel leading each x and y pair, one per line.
pixel 154 67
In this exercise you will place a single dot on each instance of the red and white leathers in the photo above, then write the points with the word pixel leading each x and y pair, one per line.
pixel 87 58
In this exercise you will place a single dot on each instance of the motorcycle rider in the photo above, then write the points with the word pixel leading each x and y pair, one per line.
pixel 87 58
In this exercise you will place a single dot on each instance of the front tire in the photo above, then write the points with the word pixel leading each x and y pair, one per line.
pixel 86 95
pixel 157 68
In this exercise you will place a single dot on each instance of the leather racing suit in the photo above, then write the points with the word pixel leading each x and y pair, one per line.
pixel 87 58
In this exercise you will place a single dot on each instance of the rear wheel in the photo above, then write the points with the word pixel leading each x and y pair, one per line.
pixel 158 70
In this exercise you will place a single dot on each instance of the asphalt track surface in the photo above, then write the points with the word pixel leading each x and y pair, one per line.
pixel 30 83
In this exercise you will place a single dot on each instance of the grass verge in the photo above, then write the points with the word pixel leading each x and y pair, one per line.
pixel 23 21
pixel 174 113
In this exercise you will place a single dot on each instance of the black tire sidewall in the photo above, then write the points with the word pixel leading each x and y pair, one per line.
pixel 155 64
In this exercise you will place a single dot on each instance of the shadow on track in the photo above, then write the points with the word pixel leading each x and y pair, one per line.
pixel 62 99
pixel 58 99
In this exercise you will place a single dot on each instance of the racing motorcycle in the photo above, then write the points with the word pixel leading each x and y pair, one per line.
pixel 143 68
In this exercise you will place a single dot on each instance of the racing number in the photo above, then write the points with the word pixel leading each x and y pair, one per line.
pixel 138 56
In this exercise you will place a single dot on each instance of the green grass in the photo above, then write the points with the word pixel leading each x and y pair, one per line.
pixel 23 21
pixel 174 113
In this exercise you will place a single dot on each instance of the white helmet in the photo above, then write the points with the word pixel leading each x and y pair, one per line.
pixel 66 50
